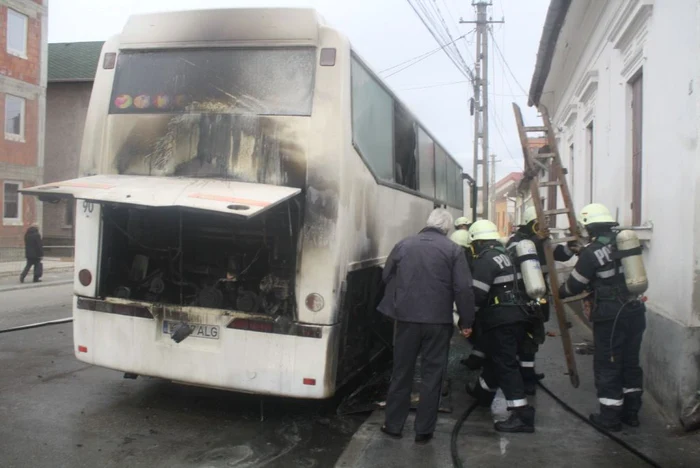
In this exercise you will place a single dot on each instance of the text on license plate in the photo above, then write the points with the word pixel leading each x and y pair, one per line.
pixel 198 330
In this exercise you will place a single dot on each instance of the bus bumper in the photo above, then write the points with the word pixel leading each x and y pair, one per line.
pixel 238 360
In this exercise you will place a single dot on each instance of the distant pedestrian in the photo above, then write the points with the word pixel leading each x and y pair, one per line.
pixel 426 275
pixel 34 251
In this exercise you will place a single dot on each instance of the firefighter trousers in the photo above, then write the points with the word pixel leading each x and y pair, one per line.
pixel 618 375
pixel 502 368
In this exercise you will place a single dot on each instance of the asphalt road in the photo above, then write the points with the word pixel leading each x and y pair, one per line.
pixel 59 412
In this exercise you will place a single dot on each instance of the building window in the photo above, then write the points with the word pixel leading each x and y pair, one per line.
pixel 590 151
pixel 14 117
pixel 637 106
pixel 17 33
pixel 12 203
pixel 372 123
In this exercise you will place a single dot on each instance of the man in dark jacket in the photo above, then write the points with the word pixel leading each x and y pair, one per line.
pixel 34 251
pixel 426 275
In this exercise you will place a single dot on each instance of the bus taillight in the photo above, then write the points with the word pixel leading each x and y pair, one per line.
pixel 85 277
pixel 314 302
pixel 252 325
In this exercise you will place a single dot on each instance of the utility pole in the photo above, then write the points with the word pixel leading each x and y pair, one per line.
pixel 493 169
pixel 493 184
pixel 481 100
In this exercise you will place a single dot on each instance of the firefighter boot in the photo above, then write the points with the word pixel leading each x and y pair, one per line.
pixel 608 418
pixel 630 410
pixel 521 420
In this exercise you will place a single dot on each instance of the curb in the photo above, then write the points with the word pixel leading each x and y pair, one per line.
pixel 35 285
pixel 46 271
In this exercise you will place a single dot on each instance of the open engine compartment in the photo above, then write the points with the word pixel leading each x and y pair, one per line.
pixel 198 258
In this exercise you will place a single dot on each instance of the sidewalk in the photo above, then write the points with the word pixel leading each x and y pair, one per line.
pixel 51 264
pixel 560 439
pixel 52 277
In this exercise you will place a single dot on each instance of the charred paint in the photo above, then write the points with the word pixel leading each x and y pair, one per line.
pixel 245 148
pixel 321 209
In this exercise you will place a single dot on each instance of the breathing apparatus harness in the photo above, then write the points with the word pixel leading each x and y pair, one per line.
pixel 510 297
pixel 615 293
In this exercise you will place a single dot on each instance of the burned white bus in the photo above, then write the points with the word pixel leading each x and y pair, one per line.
pixel 244 176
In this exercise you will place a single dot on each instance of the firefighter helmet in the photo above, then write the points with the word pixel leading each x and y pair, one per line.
pixel 595 213
pixel 461 238
pixel 483 230
pixel 529 215
pixel 461 221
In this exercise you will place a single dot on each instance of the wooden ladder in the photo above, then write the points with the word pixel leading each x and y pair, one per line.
pixel 550 162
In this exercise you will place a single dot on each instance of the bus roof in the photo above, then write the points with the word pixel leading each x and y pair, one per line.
pixel 233 25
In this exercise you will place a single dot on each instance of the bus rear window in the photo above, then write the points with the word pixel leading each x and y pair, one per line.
pixel 244 81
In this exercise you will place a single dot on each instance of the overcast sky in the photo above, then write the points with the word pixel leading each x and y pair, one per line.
pixel 384 33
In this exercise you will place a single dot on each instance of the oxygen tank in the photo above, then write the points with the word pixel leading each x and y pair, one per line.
pixel 530 269
pixel 629 249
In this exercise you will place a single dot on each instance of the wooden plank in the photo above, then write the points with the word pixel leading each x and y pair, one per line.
pixel 557 211
pixel 535 129
pixel 564 240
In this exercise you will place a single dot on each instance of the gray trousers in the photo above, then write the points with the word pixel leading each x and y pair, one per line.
pixel 432 343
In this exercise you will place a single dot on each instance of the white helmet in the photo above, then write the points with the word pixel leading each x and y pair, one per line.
pixel 484 230
pixel 461 238
pixel 461 221
pixel 595 213
pixel 529 215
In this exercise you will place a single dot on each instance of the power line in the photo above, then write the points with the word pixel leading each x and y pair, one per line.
pixel 499 129
pixel 418 58
pixel 425 19
pixel 436 85
pixel 414 63
pixel 498 49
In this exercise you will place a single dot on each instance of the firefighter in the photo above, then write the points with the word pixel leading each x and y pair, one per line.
pixel 461 238
pixel 618 321
pixel 462 224
pixel 501 319
pixel 535 334
pixel 475 360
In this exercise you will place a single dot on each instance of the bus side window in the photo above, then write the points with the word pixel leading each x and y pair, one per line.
pixel 405 151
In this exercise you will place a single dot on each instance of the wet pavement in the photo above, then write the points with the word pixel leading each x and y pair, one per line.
pixel 59 412
pixel 561 439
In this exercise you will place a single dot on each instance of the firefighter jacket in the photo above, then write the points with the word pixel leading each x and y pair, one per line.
pixel 497 296
pixel 598 271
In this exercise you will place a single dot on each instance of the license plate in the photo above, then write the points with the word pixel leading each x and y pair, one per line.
pixel 199 330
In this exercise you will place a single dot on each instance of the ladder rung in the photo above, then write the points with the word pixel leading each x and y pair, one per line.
pixel 553 183
pixel 544 155
pixel 562 240
pixel 536 129
pixel 556 212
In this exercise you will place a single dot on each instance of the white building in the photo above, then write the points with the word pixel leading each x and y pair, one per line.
pixel 621 80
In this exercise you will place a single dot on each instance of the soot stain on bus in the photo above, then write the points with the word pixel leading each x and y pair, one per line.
pixel 200 259
pixel 245 148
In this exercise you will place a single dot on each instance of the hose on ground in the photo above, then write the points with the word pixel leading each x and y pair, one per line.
pixel 37 325
pixel 610 435
pixel 456 461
